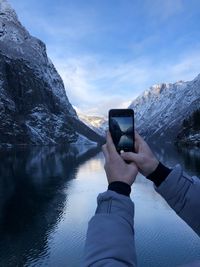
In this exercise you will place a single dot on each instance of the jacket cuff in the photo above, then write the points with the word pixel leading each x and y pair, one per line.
pixel 175 182
pixel 120 188
pixel 159 175
pixel 111 202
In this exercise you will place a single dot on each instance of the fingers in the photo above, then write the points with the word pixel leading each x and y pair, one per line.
pixel 105 152
pixel 130 156
pixel 139 141
pixel 110 145
pixel 134 166
pixel 138 137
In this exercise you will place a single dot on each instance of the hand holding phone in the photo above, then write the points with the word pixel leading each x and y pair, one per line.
pixel 121 127
pixel 115 167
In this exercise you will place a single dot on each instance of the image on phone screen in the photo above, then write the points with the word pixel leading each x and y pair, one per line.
pixel 122 132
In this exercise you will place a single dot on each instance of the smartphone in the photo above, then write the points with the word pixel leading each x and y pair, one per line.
pixel 121 127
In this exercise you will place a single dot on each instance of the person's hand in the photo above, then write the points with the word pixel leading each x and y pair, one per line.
pixel 144 157
pixel 115 167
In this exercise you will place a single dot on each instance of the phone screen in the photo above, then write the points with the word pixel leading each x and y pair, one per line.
pixel 121 128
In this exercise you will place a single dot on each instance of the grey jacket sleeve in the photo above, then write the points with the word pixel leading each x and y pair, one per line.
pixel 110 236
pixel 182 193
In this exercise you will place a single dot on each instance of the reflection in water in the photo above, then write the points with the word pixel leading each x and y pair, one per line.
pixel 172 155
pixel 122 131
pixel 44 211
pixel 125 141
pixel 33 184
pixel 191 158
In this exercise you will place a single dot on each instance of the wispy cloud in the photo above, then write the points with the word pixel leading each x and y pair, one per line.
pixel 163 10
pixel 97 87
pixel 93 87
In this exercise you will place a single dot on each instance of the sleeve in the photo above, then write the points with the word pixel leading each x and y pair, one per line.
pixel 110 236
pixel 182 193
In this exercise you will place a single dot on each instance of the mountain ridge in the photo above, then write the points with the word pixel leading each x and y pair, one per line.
pixel 160 110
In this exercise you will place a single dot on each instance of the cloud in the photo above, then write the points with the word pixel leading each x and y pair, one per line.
pixel 95 87
pixel 187 68
pixel 107 58
pixel 164 9
pixel 102 108
pixel 69 30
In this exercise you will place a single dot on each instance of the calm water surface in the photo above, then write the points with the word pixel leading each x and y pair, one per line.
pixel 47 196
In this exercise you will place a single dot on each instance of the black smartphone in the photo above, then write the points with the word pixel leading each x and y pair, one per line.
pixel 121 127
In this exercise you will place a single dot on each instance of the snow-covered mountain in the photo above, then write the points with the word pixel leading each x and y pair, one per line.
pixel 160 110
pixel 97 123
pixel 34 108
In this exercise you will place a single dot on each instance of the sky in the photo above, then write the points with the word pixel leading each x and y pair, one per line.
pixel 124 122
pixel 109 51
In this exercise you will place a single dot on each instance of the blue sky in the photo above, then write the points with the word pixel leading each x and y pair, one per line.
pixel 109 51
pixel 124 122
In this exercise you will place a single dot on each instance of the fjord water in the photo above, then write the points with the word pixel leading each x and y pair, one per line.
pixel 47 196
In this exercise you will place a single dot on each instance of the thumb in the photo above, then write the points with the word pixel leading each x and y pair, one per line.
pixel 130 156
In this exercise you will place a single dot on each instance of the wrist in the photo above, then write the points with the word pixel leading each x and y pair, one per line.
pixel 120 188
pixel 159 174
pixel 153 165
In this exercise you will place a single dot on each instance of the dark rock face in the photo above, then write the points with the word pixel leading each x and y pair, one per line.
pixel 34 108
pixel 29 111
pixel 189 135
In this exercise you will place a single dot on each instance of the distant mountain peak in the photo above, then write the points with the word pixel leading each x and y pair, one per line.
pixel 158 88
pixel 96 123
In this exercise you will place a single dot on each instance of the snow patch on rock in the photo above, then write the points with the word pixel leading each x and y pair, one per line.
pixel 160 110
pixel 7 11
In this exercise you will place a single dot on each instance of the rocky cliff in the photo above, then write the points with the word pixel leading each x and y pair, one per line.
pixel 160 110
pixel 34 108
